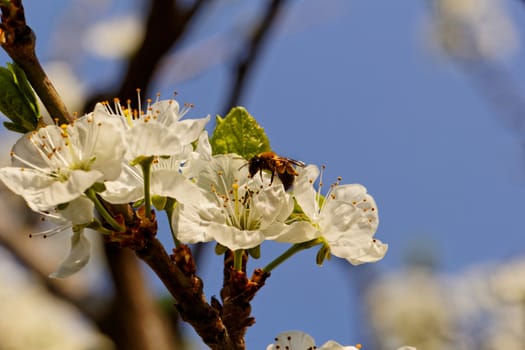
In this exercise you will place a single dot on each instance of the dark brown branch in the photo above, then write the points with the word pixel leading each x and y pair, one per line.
pixel 236 295
pixel 18 40
pixel 187 289
pixel 248 58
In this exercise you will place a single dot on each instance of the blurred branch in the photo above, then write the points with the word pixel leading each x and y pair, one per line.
pixel 19 41
pixel 135 320
pixel 27 259
pixel 500 90
pixel 166 25
pixel 248 57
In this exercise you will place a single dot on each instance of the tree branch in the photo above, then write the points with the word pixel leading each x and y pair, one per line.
pixel 19 41
pixel 166 24
pixel 248 58
pixel 187 289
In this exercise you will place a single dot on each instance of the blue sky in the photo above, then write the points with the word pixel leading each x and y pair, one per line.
pixel 357 89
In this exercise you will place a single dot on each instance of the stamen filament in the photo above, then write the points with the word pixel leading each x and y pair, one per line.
pixel 52 231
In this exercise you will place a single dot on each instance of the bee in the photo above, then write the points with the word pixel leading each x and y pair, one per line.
pixel 283 167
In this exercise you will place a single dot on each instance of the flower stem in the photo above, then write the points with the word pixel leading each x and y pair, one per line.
pixel 145 164
pixel 290 252
pixel 168 208
pixel 237 259
pixel 91 194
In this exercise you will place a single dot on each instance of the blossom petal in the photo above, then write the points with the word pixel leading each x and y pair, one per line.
pixel 127 188
pixel 235 238
pixel 272 203
pixel 333 345
pixel 292 340
pixel 200 158
pixel 34 147
pixel 190 129
pixel 78 256
pixel 100 138
pixel 42 191
pixel 79 211
pixel 191 224
pixel 304 191
pixel 152 138
pixel 358 250
pixel 296 232
pixel 171 183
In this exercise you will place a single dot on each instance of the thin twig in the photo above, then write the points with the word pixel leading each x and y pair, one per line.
pixel 248 58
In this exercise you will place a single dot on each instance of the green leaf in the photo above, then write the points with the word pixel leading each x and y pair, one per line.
pixel 239 133
pixel 14 127
pixel 17 100
pixel 25 88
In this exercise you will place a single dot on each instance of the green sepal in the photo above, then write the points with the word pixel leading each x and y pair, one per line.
pixel 17 100
pixel 140 160
pixel 62 206
pixel 239 133
pixel 98 187
pixel 138 203
pixel 323 254
pixel 255 252
pixel 220 249
pixel 159 202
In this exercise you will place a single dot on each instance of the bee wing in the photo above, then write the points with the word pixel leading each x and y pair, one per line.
pixel 296 162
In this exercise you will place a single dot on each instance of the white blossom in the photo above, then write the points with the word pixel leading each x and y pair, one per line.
pixel 473 28
pixel 347 218
pixel 235 210
pixel 55 165
pixel 158 131
pixel 297 340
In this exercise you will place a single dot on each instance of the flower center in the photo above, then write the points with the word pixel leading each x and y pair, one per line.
pixel 236 203
pixel 58 156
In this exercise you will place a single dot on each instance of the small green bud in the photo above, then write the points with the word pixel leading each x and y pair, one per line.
pixel 98 187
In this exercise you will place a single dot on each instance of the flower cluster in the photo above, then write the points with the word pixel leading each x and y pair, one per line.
pixel 116 155
pixel 299 340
